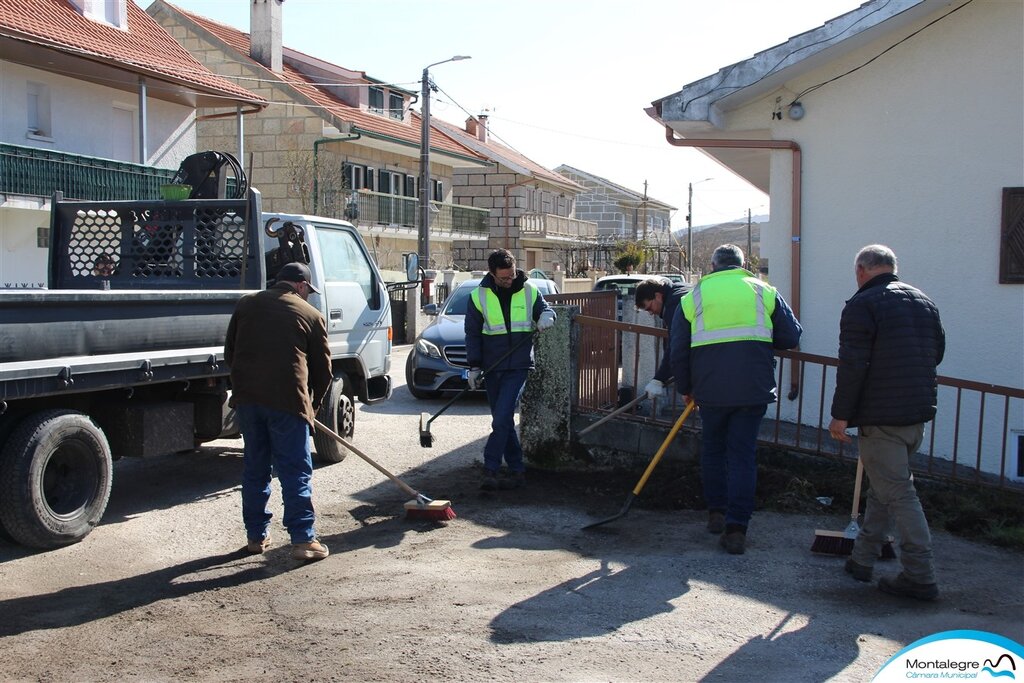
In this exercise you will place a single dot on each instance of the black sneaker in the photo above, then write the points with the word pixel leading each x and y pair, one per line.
pixel 716 522
pixel 512 481
pixel 858 571
pixel 489 481
pixel 906 588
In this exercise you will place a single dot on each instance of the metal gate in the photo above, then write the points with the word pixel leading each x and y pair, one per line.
pixel 399 313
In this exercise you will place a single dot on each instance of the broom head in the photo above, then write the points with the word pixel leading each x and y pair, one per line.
pixel 431 511
pixel 831 542
pixel 426 438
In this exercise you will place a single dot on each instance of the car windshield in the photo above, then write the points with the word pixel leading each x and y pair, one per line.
pixel 456 304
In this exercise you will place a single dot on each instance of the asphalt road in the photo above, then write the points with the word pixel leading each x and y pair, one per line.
pixel 511 590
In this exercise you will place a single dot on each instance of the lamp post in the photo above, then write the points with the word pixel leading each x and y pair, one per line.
pixel 689 226
pixel 424 233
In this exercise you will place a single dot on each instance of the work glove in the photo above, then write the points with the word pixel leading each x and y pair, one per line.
pixel 473 378
pixel 655 389
pixel 546 320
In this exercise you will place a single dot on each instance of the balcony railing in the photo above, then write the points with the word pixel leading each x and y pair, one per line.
pixel 39 172
pixel 556 227
pixel 376 208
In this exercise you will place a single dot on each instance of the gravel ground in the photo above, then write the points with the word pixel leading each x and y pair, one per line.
pixel 511 590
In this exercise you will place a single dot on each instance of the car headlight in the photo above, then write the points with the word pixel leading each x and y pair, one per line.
pixel 427 349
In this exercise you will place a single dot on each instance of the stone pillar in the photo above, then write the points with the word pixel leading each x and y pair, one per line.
pixel 546 409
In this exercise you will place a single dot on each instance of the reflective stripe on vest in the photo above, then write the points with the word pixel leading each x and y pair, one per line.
pixel 520 310
pixel 742 310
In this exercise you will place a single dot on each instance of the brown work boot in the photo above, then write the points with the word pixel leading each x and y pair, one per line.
pixel 734 539
pixel 716 522
pixel 314 550
pixel 906 588
pixel 858 570
pixel 257 546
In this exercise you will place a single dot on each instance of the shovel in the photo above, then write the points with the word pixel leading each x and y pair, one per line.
pixel 650 468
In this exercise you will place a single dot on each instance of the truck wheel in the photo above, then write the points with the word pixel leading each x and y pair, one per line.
pixel 416 393
pixel 338 412
pixel 55 477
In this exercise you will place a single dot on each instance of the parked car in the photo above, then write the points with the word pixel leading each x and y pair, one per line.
pixel 437 362
pixel 624 286
pixel 676 278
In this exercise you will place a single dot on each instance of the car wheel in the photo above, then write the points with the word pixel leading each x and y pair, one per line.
pixel 416 393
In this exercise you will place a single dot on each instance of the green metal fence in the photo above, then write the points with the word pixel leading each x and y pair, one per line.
pixel 40 172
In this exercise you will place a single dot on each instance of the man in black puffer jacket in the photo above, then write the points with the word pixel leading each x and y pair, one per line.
pixel 890 342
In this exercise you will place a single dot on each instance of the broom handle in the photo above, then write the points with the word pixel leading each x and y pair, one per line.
pixel 495 364
pixel 664 447
pixel 401 484
pixel 617 411
pixel 855 511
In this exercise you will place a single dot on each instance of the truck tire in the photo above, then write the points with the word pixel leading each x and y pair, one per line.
pixel 416 393
pixel 338 412
pixel 55 478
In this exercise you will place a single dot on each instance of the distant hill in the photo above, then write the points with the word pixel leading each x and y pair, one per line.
pixel 707 238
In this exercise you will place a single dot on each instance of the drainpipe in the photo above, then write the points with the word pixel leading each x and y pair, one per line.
pixel 316 157
pixel 796 222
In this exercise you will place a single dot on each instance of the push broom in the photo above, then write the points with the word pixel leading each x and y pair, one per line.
pixel 426 438
pixel 841 542
pixel 420 507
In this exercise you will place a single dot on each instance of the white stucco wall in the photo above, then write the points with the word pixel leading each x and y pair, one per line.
pixel 81 117
pixel 911 151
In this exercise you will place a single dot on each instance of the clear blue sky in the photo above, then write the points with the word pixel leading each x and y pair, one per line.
pixel 564 81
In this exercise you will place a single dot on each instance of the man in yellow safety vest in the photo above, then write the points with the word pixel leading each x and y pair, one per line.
pixel 722 350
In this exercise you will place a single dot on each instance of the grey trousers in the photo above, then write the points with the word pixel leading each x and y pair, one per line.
pixel 892 502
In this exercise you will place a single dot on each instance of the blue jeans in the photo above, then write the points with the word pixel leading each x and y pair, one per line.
pixel 729 459
pixel 504 388
pixel 276 440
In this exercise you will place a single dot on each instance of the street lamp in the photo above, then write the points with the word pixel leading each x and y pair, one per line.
pixel 689 226
pixel 424 234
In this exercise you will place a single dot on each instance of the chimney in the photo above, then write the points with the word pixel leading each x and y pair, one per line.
pixel 471 126
pixel 265 33
pixel 481 128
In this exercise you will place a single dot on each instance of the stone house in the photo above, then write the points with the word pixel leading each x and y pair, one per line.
pixel 333 142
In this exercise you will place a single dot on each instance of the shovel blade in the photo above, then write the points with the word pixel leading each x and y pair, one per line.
pixel 621 514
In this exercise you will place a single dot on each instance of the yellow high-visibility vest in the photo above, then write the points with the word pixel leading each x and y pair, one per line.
pixel 520 310
pixel 727 306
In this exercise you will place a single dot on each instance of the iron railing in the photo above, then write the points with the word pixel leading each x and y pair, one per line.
pixel 968 439
pixel 556 227
pixel 39 172
pixel 376 208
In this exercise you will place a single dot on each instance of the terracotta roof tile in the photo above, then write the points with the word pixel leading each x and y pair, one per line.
pixel 364 120
pixel 144 48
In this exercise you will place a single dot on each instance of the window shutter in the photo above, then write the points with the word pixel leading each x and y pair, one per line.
pixel 1011 243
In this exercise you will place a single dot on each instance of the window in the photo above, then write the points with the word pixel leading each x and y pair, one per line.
pixel 355 176
pixel 437 190
pixel 396 106
pixel 1011 242
pixel 410 186
pixel 376 100
pixel 345 262
pixel 39 110
pixel 371 175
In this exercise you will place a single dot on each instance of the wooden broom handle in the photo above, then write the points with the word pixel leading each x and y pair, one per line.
pixel 855 509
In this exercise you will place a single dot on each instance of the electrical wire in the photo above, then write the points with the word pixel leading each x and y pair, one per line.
pixel 811 89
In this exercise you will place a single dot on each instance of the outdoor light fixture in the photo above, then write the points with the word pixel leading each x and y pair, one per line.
pixel 425 207
pixel 796 111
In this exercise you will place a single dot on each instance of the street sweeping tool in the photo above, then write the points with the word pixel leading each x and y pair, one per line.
pixel 426 438
pixel 650 468
pixel 420 507
pixel 841 542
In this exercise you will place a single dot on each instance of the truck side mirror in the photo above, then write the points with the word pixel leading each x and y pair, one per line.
pixel 412 267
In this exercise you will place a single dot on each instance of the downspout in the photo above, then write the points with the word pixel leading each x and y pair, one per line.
pixel 791 145
pixel 316 158
pixel 238 113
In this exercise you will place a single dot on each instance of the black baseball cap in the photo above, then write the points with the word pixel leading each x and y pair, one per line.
pixel 297 272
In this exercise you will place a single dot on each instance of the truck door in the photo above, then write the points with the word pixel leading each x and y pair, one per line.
pixel 356 312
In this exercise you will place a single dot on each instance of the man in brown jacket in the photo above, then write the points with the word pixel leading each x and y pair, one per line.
pixel 280 372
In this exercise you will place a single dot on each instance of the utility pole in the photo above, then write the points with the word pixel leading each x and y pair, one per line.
pixel 748 236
